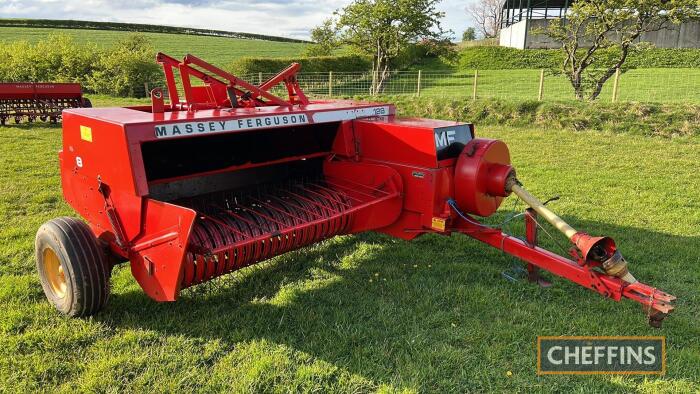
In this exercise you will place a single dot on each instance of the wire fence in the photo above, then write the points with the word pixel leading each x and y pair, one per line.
pixel 639 85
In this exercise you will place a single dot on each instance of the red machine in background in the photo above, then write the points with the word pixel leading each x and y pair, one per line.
pixel 229 174
pixel 43 101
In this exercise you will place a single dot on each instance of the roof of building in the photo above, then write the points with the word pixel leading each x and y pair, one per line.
pixel 517 4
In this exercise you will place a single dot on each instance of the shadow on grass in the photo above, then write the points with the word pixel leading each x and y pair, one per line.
pixel 432 314
pixel 24 125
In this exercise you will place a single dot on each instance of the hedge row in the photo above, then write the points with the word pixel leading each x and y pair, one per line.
pixel 498 58
pixel 254 65
pixel 665 120
pixel 120 70
pixel 324 64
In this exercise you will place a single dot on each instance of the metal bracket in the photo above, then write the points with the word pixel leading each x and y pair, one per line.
pixel 112 217
pixel 533 272
pixel 157 104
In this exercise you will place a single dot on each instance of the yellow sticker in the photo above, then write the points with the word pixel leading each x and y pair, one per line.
pixel 439 224
pixel 86 133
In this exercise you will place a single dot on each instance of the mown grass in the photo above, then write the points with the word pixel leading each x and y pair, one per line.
pixel 369 313
pixel 217 50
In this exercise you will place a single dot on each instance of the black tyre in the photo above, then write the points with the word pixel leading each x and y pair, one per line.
pixel 72 267
pixel 87 103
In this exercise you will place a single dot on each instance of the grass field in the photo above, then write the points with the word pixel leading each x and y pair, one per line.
pixel 368 313
pixel 644 85
pixel 218 50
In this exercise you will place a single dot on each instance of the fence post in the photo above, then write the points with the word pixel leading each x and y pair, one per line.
pixel 476 77
pixel 260 78
pixel 540 94
pixel 615 84
pixel 330 83
pixel 145 86
pixel 418 85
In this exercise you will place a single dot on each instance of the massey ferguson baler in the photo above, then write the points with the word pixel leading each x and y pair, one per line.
pixel 229 174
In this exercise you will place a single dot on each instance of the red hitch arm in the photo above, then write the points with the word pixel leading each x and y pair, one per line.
pixel 235 81
pixel 599 265
pixel 656 303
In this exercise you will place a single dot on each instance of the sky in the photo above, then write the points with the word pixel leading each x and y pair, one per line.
pixel 287 18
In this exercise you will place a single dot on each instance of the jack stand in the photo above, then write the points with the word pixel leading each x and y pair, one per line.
pixel 533 272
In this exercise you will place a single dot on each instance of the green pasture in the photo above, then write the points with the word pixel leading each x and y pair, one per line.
pixel 661 85
pixel 646 85
pixel 218 50
pixel 369 313
pixel 672 85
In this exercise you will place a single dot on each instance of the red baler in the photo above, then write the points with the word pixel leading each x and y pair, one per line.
pixel 227 174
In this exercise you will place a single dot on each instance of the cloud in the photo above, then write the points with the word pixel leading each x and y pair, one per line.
pixel 287 18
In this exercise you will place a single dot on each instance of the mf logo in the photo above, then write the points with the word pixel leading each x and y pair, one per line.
pixel 444 138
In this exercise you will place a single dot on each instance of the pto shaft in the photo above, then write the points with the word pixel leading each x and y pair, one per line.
pixel 543 211
pixel 601 249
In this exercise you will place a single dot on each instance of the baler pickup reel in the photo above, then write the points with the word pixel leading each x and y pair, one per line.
pixel 221 89
pixel 598 264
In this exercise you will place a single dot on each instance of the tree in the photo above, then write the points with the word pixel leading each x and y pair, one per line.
pixel 598 35
pixel 325 39
pixel 487 16
pixel 56 57
pixel 469 34
pixel 125 67
pixel 385 28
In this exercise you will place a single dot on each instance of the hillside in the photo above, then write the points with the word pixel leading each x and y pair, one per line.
pixel 218 50
pixel 136 27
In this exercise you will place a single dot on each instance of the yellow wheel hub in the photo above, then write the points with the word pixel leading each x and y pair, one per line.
pixel 54 273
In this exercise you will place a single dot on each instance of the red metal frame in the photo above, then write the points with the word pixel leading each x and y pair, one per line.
pixel 531 235
pixel 382 173
pixel 654 301
pixel 219 83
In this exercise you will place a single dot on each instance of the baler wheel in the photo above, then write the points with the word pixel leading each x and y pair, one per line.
pixel 73 268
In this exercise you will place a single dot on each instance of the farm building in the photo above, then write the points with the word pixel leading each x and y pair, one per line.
pixel 520 19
